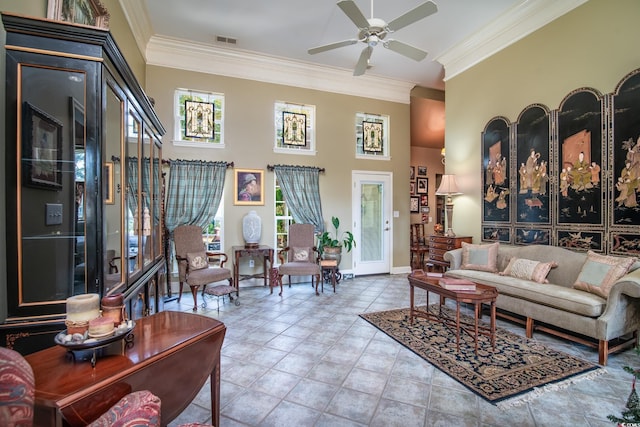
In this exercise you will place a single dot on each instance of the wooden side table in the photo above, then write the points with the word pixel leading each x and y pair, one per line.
pixel 263 251
pixel 73 393
pixel 439 244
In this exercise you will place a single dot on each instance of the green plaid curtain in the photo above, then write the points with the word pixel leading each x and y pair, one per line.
pixel 194 192
pixel 301 191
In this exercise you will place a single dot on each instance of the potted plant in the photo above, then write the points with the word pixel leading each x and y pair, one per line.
pixel 330 246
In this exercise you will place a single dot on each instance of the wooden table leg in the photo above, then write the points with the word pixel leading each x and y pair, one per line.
pixel 411 308
pixel 458 326
pixel 475 323
pixel 493 324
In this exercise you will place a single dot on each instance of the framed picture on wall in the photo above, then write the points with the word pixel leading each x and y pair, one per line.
pixel 86 12
pixel 412 173
pixel 415 204
pixel 248 187
pixel 412 188
pixel 422 185
pixel 422 171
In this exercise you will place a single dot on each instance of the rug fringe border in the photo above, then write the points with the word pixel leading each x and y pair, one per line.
pixel 531 395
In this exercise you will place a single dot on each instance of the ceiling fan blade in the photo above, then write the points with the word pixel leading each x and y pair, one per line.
pixel 420 12
pixel 351 10
pixel 336 45
pixel 361 66
pixel 406 50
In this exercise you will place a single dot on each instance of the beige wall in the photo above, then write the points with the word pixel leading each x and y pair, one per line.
pixel 249 139
pixel 593 46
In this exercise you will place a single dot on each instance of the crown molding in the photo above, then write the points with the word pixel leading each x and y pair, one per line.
pixel 513 25
pixel 237 63
pixel 138 19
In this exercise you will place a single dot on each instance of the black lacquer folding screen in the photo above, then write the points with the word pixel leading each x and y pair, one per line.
pixel 573 173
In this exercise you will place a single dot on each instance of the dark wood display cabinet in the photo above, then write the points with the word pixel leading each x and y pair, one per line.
pixel 83 179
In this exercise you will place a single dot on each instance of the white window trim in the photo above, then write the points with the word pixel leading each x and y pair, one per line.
pixel 386 139
pixel 310 112
pixel 177 132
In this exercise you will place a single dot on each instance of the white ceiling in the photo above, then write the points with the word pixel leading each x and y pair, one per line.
pixel 286 29
pixel 273 37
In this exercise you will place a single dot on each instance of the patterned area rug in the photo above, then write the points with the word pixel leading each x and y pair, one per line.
pixel 517 371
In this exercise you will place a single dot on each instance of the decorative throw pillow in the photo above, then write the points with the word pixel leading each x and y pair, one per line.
pixel 301 254
pixel 528 269
pixel 197 260
pixel 600 272
pixel 480 257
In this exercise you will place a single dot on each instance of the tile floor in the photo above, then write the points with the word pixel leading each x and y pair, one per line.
pixel 307 360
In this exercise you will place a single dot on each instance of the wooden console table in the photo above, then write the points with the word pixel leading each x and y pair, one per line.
pixel 263 251
pixel 172 356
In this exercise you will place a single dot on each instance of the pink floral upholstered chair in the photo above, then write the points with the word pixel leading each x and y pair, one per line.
pixel 16 389
pixel 140 408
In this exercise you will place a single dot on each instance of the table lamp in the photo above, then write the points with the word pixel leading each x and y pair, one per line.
pixel 448 187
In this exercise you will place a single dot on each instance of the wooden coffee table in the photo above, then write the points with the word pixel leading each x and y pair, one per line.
pixel 484 294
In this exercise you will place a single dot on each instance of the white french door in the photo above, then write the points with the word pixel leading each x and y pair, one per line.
pixel 372 222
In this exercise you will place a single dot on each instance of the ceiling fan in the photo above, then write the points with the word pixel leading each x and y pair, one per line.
pixel 373 32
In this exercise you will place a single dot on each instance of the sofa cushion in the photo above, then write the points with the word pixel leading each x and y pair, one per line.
pixel 197 260
pixel 528 269
pixel 480 257
pixel 560 297
pixel 600 272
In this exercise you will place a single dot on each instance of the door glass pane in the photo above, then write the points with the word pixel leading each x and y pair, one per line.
pixel 132 210
pixel 114 267
pixel 145 202
pixel 371 220
pixel 156 218
pixel 52 203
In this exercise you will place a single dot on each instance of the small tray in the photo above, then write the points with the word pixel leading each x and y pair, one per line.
pixel 118 334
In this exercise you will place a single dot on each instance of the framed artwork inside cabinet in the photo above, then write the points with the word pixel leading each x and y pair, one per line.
pixel 42 149
pixel 86 12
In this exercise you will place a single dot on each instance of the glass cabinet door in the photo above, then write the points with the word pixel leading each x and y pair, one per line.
pixel 158 185
pixel 115 264
pixel 52 252
pixel 132 202
pixel 145 202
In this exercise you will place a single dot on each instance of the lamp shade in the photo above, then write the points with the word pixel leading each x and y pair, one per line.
pixel 448 186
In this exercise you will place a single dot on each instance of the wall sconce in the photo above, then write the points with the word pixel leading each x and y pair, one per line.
pixel 448 187
pixel 442 154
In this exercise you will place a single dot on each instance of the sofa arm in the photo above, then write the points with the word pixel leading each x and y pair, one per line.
pixel 141 408
pixel 622 313
pixel 454 257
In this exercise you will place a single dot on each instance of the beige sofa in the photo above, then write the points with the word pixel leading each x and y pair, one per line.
pixel 609 324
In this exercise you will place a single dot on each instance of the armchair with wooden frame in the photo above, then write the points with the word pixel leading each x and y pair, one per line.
pixel 300 257
pixel 194 267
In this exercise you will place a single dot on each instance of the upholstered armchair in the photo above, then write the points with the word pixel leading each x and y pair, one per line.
pixel 300 258
pixel 193 262
pixel 17 397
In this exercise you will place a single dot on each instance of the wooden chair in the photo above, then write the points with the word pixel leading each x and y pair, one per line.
pixel 419 245
pixel 193 262
pixel 300 258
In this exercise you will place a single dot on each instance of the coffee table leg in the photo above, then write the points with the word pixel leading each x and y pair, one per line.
pixel 458 326
pixel 493 324
pixel 411 303
pixel 477 307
